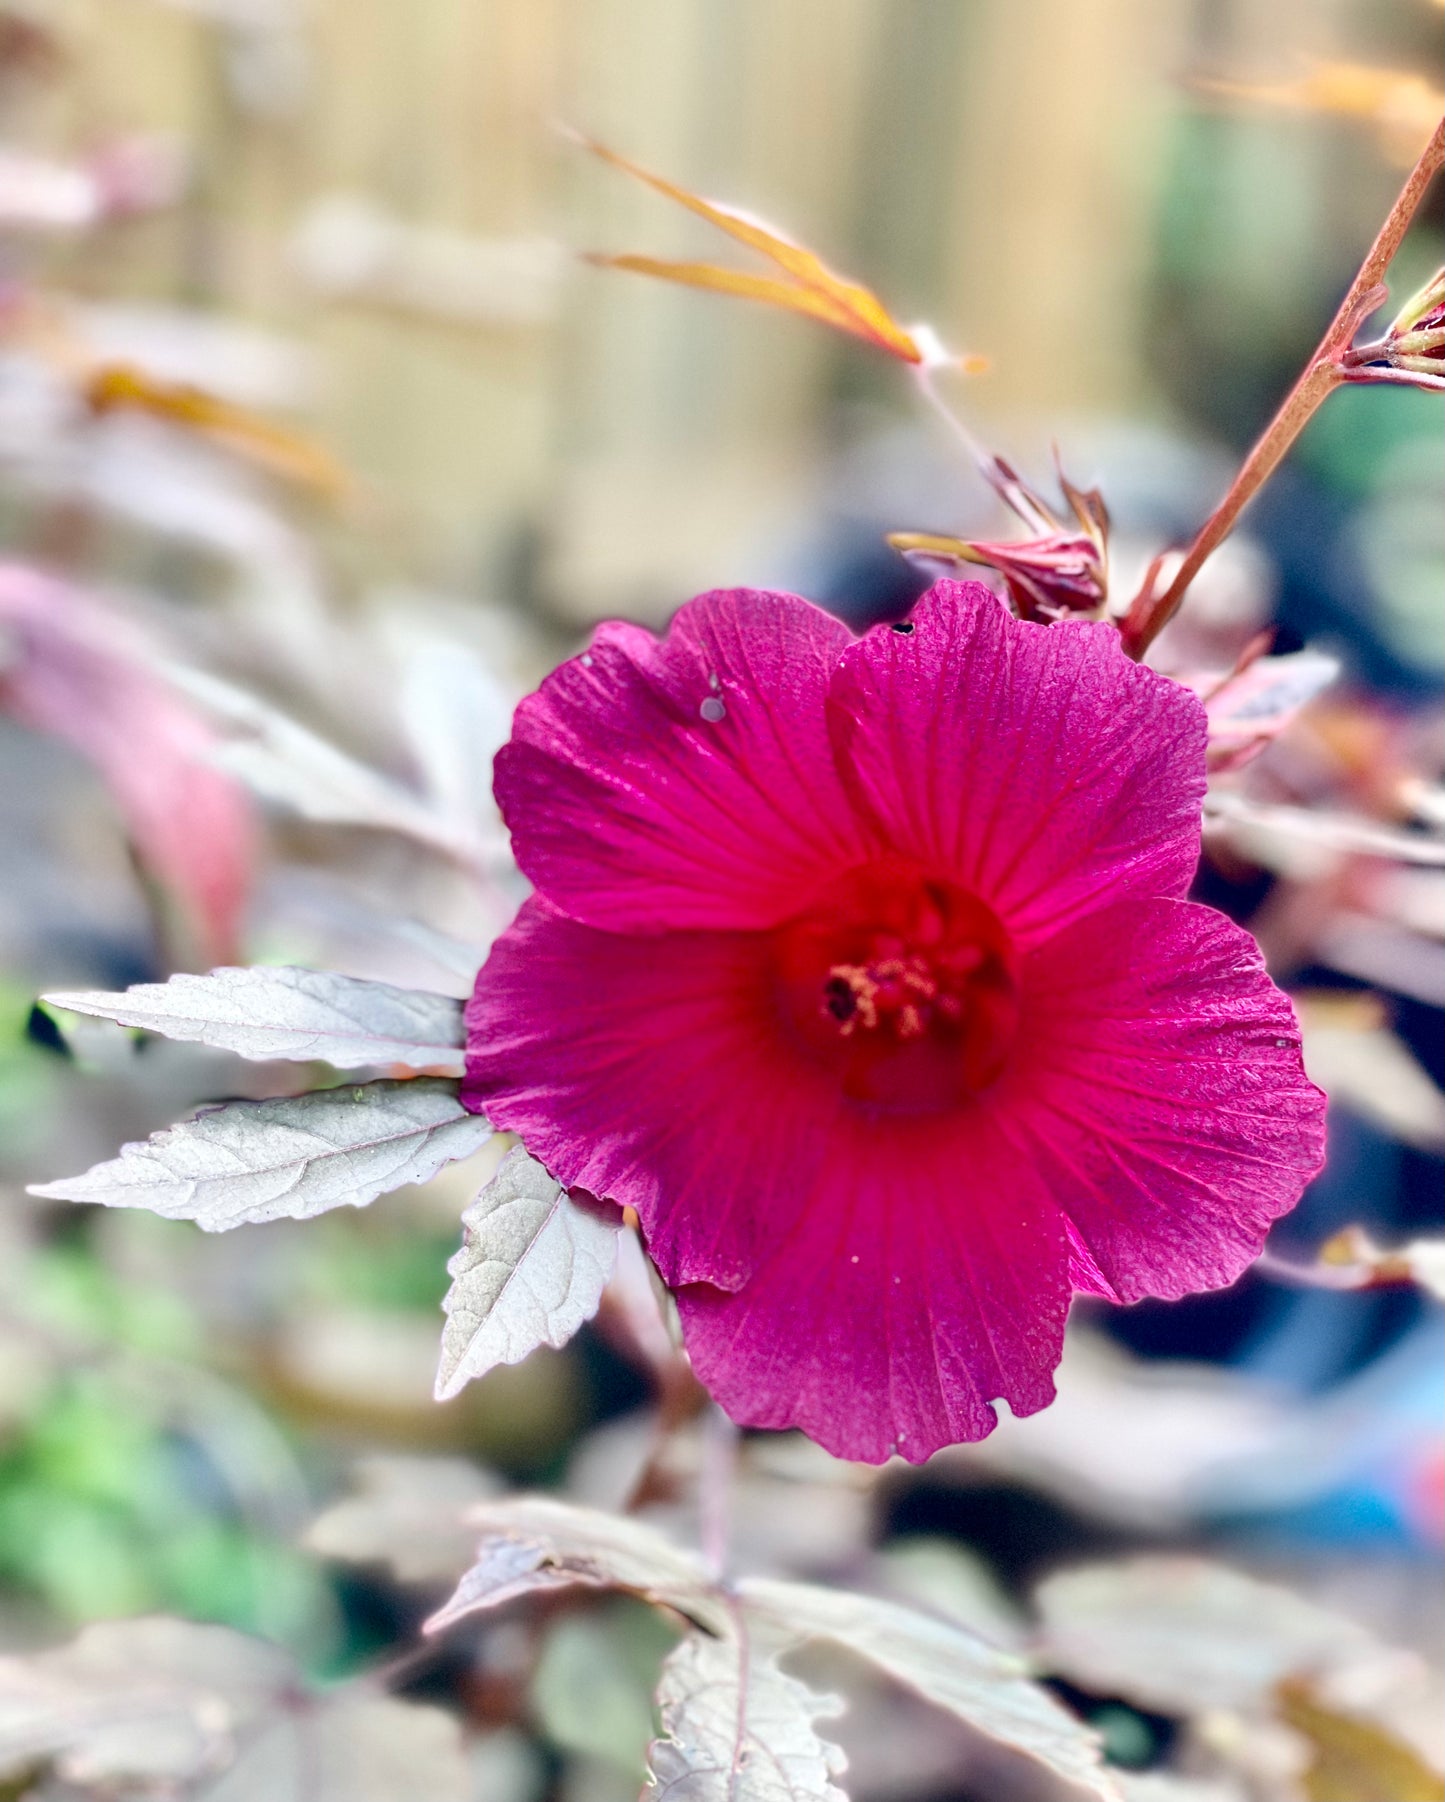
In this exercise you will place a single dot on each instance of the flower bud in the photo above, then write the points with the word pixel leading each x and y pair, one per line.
pixel 1412 351
pixel 1061 572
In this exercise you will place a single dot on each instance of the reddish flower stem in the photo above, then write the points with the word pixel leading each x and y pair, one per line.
pixel 1150 612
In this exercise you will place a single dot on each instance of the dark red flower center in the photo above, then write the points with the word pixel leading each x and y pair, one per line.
pixel 904 984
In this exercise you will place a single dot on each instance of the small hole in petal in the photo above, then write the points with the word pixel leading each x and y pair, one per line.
pixel 903 627
pixel 713 709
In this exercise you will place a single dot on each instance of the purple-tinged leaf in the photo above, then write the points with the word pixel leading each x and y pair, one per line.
pixel 942 1661
pixel 532 1544
pixel 1184 1636
pixel 168 1707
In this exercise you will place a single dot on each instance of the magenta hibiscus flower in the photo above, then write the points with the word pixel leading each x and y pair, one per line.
pixel 861 969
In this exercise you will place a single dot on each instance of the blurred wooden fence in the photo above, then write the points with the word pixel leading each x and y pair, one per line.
pixel 991 165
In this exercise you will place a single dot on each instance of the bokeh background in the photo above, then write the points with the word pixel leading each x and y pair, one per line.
pixel 451 446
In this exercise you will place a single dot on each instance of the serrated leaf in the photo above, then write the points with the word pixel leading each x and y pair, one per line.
pixel 408 1514
pixel 262 1012
pixel 532 1268
pixel 989 1690
pixel 736 1728
pixel 1182 1635
pixel 533 1544
pixel 168 1707
pixel 254 1161
pixel 1353 1760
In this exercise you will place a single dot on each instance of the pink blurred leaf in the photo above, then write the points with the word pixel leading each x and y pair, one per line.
pixel 1256 701
pixel 72 668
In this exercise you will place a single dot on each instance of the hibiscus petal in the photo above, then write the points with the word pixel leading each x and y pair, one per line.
pixel 925 1279
pixel 1036 765
pixel 651 1071
pixel 684 783
pixel 1160 1092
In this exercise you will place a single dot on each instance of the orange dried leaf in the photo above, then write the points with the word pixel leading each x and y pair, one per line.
pixel 1403 107
pixel 771 289
pixel 1353 1760
pixel 273 447
pixel 807 284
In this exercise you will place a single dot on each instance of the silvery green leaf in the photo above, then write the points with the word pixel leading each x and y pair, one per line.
pixel 252 1161
pixel 942 1661
pixel 736 1728
pixel 264 1012
pixel 532 1268
pixel 290 1013
pixel 532 1543
pixel 168 1707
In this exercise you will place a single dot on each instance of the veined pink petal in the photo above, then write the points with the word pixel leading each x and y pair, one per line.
pixel 861 970
pixel 686 782
pixel 1165 1100
pixel 1037 765
pixel 926 1278
pixel 650 1071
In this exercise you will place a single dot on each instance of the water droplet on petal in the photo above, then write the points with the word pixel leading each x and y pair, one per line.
pixel 586 660
pixel 1283 1044
pixel 713 709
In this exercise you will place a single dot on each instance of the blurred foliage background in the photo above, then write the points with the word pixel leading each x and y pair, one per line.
pixel 353 222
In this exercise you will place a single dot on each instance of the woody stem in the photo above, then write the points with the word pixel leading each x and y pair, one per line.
pixel 1150 613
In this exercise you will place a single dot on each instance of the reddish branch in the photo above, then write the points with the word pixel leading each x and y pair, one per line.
pixel 1151 612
